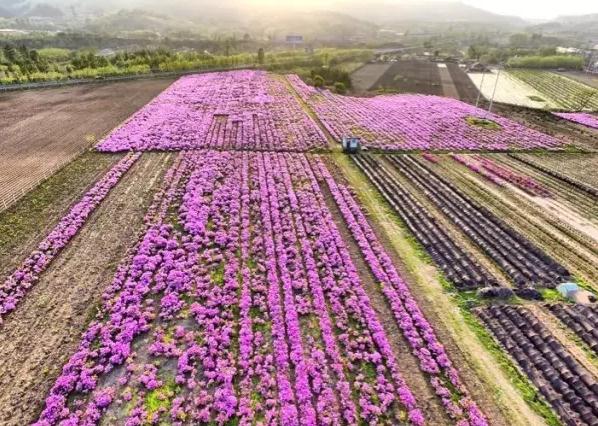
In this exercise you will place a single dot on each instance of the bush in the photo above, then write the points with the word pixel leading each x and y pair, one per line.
pixel 319 81
pixel 340 88
pixel 547 62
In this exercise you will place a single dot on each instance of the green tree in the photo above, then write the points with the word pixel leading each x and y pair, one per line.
pixel 319 81
pixel 340 88
pixel 260 56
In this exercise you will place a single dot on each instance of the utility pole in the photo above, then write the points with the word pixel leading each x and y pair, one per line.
pixel 477 102
pixel 494 91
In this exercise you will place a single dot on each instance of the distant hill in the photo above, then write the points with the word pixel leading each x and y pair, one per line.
pixel 582 25
pixel 412 11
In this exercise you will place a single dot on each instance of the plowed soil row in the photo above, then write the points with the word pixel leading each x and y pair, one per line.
pixel 41 130
pixel 38 338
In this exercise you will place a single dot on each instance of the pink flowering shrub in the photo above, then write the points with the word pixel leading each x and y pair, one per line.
pixel 226 110
pixel 584 118
pixel 241 304
pixel 418 122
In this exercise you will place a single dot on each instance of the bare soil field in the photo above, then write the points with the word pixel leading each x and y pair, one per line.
pixel 468 92
pixel 411 76
pixel 365 77
pixel 45 331
pixel 41 130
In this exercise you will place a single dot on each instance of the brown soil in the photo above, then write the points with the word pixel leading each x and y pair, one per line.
pixel 411 76
pixel 448 87
pixel 468 92
pixel 365 77
pixel 26 223
pixel 38 338
pixel 42 130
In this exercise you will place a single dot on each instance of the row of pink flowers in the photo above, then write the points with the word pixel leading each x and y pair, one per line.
pixel 229 110
pixel 418 122
pixel 584 118
pixel 26 276
pixel 241 303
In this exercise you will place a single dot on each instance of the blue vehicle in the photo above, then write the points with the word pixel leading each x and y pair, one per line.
pixel 351 145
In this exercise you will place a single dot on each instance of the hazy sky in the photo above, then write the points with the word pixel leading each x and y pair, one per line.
pixel 537 9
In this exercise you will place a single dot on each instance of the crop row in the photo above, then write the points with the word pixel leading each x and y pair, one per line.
pixel 567 386
pixel 524 263
pixel 523 182
pixel 562 91
pixel 560 176
pixel 586 119
pixel 241 304
pixel 16 286
pixel 233 110
pixel 582 319
pixel 459 266
pixel 476 167
pixel 398 122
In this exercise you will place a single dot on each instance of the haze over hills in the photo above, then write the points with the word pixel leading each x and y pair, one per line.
pixel 379 13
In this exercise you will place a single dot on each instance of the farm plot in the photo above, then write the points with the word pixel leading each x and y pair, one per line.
pixel 364 78
pixel 582 77
pixel 411 76
pixel 576 194
pixel 564 92
pixel 26 276
pixel 417 122
pixel 468 92
pixel 231 110
pixel 193 329
pixel 459 266
pixel 581 319
pixel 564 382
pixel 529 265
pixel 42 130
pixel 577 168
pixel 560 232
pixel 509 90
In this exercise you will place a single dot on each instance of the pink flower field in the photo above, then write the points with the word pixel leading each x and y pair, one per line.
pixel 233 110
pixel 583 118
pixel 418 122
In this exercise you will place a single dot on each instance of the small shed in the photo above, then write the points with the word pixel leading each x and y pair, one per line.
pixel 568 290
pixel 351 144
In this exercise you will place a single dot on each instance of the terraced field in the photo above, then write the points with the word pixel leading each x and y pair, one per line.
pixel 564 92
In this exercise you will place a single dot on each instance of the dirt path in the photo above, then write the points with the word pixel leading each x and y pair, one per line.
pixel 44 331
pixel 424 393
pixel 489 385
pixel 448 87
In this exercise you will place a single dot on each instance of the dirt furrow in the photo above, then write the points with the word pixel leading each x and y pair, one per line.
pixel 43 332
